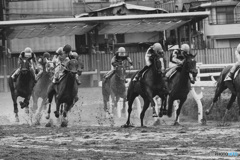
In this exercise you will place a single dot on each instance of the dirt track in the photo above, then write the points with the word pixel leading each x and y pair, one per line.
pixel 91 136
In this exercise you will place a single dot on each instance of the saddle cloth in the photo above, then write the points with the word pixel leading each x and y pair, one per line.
pixel 236 73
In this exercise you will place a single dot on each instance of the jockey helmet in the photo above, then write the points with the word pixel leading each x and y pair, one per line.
pixel 27 52
pixel 67 48
pixel 46 55
pixel 185 47
pixel 238 48
pixel 59 51
pixel 121 52
pixel 157 47
pixel 74 54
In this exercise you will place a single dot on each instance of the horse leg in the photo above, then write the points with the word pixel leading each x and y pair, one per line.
pixel 170 106
pixel 145 107
pixel 149 95
pixel 217 94
pixel 35 102
pixel 130 102
pixel 64 110
pixel 57 109
pixel 179 110
pixel 232 99
pixel 163 109
pixel 26 103
pixel 50 95
pixel 14 98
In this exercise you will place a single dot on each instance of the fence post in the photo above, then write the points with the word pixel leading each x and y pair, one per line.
pixel 98 71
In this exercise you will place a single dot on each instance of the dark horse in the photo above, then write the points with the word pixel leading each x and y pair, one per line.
pixel 40 88
pixel 221 86
pixel 115 86
pixel 148 87
pixel 65 91
pixel 179 84
pixel 23 86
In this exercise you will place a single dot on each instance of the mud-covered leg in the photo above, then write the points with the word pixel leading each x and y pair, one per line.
pixel 64 122
pixel 220 88
pixel 130 103
pixel 232 99
pixel 26 103
pixel 15 109
pixel 35 102
pixel 145 107
pixel 179 110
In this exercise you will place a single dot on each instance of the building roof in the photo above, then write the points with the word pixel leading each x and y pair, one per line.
pixel 140 26
pixel 219 4
pixel 132 7
pixel 22 32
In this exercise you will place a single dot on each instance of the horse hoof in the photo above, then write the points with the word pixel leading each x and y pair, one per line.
pixel 64 124
pixel 176 124
pixel 48 124
pixel 204 122
pixel 127 125
pixel 21 104
pixel 143 126
pixel 207 112
pixel 155 115
pixel 17 119
pixel 56 114
pixel 48 116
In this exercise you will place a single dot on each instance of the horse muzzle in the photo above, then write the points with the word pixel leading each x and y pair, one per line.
pixel 192 78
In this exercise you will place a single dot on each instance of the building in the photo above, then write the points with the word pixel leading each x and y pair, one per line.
pixel 221 28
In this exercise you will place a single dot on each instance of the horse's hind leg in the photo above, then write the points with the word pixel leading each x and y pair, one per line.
pixel 14 98
pixel 217 94
pixel 145 107
pixel 232 99
pixel 26 104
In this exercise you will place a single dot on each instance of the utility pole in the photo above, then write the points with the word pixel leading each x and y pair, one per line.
pixel 3 45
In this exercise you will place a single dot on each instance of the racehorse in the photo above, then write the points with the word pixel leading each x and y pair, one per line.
pixel 23 86
pixel 65 91
pixel 40 88
pixel 179 84
pixel 150 85
pixel 115 87
pixel 221 86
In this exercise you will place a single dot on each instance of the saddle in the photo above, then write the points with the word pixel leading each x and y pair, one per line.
pixel 173 72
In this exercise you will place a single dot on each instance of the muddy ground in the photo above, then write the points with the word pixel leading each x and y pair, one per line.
pixel 90 135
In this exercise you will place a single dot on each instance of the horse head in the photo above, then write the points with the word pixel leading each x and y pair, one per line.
pixel 190 66
pixel 25 65
pixel 156 63
pixel 72 66
pixel 120 71
pixel 49 67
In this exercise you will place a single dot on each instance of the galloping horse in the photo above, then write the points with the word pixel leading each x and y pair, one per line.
pixel 179 84
pixel 148 87
pixel 221 86
pixel 65 91
pixel 23 86
pixel 115 86
pixel 40 88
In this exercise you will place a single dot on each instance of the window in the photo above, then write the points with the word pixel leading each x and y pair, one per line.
pixel 224 15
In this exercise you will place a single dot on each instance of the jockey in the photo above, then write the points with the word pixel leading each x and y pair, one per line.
pixel 177 58
pixel 27 53
pixel 156 48
pixel 119 57
pixel 61 60
pixel 230 75
pixel 74 55
pixel 42 61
